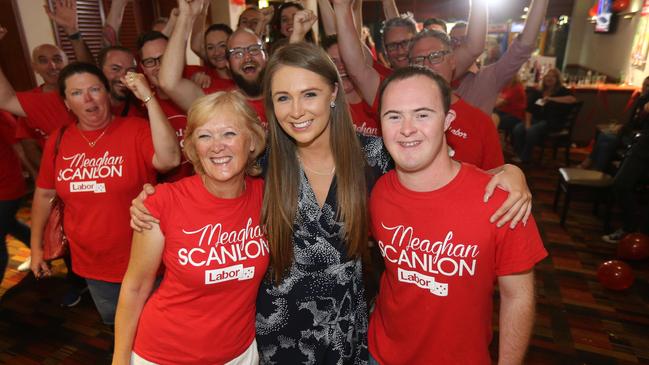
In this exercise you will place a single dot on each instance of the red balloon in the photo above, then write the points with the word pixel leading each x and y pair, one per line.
pixel 633 246
pixel 615 275
pixel 593 11
pixel 620 5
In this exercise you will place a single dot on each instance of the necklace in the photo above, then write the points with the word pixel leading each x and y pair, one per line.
pixel 333 170
pixel 93 143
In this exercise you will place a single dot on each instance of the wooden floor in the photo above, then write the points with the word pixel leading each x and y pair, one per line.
pixel 578 322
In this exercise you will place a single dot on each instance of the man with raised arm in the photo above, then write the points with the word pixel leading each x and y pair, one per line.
pixel 397 35
pixel 481 88
pixel 246 56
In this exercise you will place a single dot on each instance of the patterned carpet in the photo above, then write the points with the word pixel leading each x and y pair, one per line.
pixel 578 321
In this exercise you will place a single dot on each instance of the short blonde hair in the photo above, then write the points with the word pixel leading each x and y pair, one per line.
pixel 206 107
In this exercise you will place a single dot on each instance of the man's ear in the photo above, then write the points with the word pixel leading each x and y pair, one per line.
pixel 450 117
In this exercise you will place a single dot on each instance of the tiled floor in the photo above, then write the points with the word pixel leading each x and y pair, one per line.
pixel 578 321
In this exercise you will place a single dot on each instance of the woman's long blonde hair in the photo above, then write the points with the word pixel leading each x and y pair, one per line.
pixel 283 175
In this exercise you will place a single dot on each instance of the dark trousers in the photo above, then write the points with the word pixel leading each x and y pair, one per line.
pixel 633 169
pixel 507 121
pixel 526 138
pixel 604 150
pixel 10 225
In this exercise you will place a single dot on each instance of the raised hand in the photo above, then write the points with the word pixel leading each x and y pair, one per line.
pixel 136 82
pixel 191 7
pixel 64 15
pixel 303 20
pixel 202 79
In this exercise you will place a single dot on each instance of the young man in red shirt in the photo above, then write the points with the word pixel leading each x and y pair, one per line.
pixel 435 298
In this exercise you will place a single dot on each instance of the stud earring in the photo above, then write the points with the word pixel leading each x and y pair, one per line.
pixel 332 104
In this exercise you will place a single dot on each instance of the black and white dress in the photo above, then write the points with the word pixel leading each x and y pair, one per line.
pixel 318 314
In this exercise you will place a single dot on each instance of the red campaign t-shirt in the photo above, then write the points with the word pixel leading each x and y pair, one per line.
pixel 258 105
pixel 12 181
pixel 473 137
pixel 178 120
pixel 23 129
pixel 435 298
pixel 385 72
pixel 217 84
pixel 97 185
pixel 366 120
pixel 215 256
pixel 135 109
pixel 46 112
pixel 516 101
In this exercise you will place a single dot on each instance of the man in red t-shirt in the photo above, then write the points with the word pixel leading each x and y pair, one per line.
pixel 151 46
pixel 435 297
pixel 47 62
pixel 246 54
pixel 472 137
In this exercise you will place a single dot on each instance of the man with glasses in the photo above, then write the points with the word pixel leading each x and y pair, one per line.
pixel 398 32
pixel 152 46
pixel 397 35
pixel 246 54
pixel 472 137
pixel 481 88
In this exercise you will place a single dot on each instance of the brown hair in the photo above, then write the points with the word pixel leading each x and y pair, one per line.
pixel 283 177
pixel 204 108
pixel 557 85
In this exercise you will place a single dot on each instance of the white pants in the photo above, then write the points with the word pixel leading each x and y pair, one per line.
pixel 248 357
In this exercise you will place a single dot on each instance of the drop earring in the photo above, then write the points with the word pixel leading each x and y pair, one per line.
pixel 332 104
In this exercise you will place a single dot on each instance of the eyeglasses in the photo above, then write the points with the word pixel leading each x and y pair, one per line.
pixel 152 61
pixel 433 58
pixel 253 50
pixel 393 47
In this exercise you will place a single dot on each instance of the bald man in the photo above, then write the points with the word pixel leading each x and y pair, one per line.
pixel 47 61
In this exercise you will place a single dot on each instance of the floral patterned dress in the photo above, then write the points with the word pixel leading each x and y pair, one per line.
pixel 318 313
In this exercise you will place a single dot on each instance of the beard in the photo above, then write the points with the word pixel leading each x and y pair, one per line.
pixel 118 95
pixel 250 88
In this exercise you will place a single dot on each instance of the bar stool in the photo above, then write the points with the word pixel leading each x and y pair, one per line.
pixel 572 180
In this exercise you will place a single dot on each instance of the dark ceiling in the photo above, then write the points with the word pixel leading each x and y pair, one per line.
pixel 501 11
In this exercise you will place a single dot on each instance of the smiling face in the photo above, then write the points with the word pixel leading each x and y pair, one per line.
pixel 413 123
pixel 249 19
pixel 216 49
pixel 286 20
pixel 223 147
pixel 88 99
pixel 116 65
pixel 153 50
pixel 248 68
pixel 396 46
pixel 334 53
pixel 301 102
pixel 425 46
pixel 47 61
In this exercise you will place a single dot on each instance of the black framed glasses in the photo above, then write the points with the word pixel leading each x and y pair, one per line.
pixel 433 58
pixel 152 61
pixel 253 50
pixel 395 46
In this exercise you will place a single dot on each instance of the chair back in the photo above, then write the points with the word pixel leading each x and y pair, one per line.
pixel 571 118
